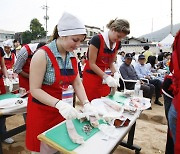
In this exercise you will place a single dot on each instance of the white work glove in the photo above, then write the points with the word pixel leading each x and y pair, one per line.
pixel 8 83
pixel 90 110
pixel 66 110
pixel 116 77
pixel 110 81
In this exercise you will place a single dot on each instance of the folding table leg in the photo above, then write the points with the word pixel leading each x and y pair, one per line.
pixel 129 144
pixel 1 146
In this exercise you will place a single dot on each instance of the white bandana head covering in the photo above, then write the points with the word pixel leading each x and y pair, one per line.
pixel 8 43
pixel 70 25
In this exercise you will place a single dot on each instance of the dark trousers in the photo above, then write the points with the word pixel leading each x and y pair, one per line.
pixel 2 125
pixel 169 142
pixel 148 90
pixel 157 84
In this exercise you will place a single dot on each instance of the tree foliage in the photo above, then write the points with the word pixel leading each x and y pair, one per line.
pixel 26 37
pixel 36 29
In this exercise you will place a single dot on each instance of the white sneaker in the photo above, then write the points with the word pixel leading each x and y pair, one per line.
pixel 9 140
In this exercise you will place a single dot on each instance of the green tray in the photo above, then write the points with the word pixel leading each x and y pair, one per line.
pixel 8 95
pixel 118 98
pixel 60 136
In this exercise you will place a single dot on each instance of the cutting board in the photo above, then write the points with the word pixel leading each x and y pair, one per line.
pixel 119 98
pixel 8 95
pixel 60 136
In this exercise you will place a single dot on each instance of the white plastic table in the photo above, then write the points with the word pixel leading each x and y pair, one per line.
pixel 96 144
pixel 8 112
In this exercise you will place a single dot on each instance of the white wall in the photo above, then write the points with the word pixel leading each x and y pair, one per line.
pixel 138 49
pixel 132 41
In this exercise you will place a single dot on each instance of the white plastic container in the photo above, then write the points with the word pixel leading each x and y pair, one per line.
pixel 137 88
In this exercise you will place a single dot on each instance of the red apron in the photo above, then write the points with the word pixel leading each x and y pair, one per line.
pixel 24 82
pixel 176 87
pixel 9 62
pixel 41 117
pixel 91 81
pixel 2 87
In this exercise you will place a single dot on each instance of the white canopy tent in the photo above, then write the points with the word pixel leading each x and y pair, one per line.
pixel 166 43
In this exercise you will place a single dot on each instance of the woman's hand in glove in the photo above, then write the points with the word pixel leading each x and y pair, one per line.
pixel 110 81
pixel 66 110
pixel 8 83
pixel 90 110
pixel 117 77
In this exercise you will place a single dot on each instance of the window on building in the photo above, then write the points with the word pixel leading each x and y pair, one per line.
pixel 126 42
pixel 91 33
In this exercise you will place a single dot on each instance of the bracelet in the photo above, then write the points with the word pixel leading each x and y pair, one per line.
pixel 56 103
pixel 85 102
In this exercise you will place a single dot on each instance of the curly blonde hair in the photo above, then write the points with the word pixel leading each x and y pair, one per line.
pixel 119 25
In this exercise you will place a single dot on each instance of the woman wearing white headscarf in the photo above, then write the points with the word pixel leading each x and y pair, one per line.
pixel 9 57
pixel 53 68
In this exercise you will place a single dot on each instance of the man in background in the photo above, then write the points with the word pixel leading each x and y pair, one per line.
pixel 129 73
pixel 143 72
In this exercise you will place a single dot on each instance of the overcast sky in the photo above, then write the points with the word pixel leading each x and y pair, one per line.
pixel 15 15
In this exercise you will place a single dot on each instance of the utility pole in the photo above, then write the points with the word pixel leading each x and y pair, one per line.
pixel 171 17
pixel 46 17
pixel 152 30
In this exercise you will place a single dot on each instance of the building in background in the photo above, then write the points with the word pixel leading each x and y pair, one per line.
pixel 91 31
pixel 136 45
pixel 133 40
pixel 5 35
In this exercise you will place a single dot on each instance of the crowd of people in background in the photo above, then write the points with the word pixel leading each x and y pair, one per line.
pixel 148 67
